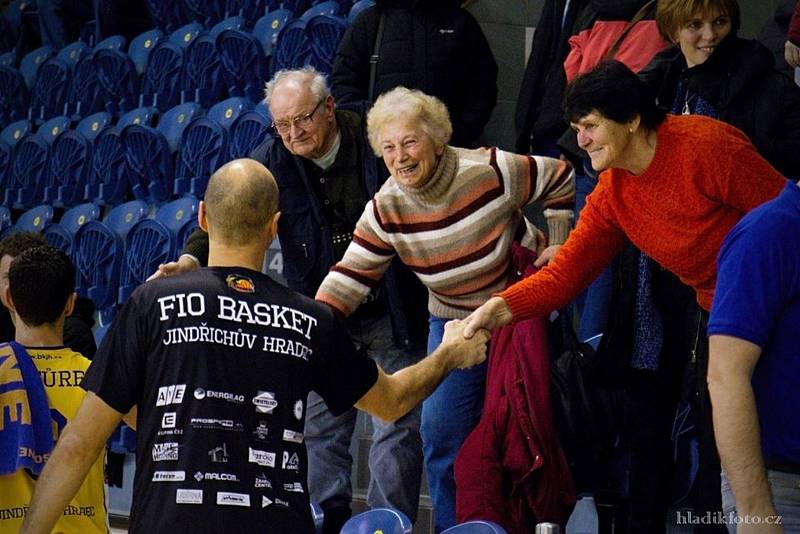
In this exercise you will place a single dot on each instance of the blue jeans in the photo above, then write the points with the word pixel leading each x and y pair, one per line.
pixel 785 489
pixel 395 457
pixel 448 416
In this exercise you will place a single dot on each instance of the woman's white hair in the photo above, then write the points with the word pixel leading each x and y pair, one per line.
pixel 315 80
pixel 412 105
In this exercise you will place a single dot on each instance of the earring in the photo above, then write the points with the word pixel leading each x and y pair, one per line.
pixel 630 130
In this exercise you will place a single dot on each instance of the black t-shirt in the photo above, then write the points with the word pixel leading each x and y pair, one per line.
pixel 219 362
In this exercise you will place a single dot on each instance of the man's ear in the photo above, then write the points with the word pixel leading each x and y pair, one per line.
pixel 70 305
pixel 202 216
pixel 273 226
pixel 5 297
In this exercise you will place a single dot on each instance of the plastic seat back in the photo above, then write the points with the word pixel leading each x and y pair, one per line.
pixel 161 83
pixel 8 59
pixel 5 217
pixel 174 122
pixel 114 42
pixel 247 132
pixel 5 161
pixel 54 127
pixel 84 94
pixel 35 219
pixel 13 95
pixel 186 231
pixel 329 7
pixel 107 181
pixel 79 215
pixel 297 7
pixel 51 90
pixel 14 132
pixel 31 62
pixel 209 12
pixel 317 515
pixel 70 159
pixel 267 27
pixel 93 125
pixel 202 80
pixel 262 109
pixel 231 23
pixel 357 8
pixel 476 527
pixel 184 35
pixel 243 64
pixel 141 46
pixel 228 110
pixel 118 80
pixel 27 173
pixel 166 14
pixel 57 236
pixel 98 254
pixel 325 33
pixel 384 519
pixel 203 149
pixel 148 244
pixel 250 10
pixel 73 52
pixel 122 218
pixel 149 163
pixel 293 47
pixel 145 116
pixel 177 214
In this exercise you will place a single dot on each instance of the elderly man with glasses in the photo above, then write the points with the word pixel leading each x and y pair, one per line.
pixel 326 173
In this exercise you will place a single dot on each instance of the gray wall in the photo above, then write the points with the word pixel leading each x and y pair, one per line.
pixel 506 24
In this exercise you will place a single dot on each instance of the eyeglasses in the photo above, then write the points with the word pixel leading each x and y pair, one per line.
pixel 302 122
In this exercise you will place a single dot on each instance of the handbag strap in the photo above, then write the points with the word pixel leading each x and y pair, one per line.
pixel 373 59
pixel 628 27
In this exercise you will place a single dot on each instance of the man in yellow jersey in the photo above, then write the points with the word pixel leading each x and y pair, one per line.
pixel 39 295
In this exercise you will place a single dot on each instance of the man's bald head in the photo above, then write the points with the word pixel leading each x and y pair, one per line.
pixel 241 199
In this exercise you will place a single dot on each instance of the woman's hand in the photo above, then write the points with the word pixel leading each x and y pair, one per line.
pixel 792 54
pixel 546 256
pixel 493 313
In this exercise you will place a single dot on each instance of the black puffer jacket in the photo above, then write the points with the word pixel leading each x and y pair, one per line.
pixel 431 45
pixel 740 80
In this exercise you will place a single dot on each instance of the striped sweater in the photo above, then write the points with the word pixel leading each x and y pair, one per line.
pixel 455 232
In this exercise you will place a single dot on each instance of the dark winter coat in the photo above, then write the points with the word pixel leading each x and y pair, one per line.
pixel 740 81
pixel 431 45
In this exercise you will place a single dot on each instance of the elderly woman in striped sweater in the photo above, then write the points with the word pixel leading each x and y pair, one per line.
pixel 451 215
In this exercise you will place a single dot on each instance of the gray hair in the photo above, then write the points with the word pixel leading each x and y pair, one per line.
pixel 402 103
pixel 308 76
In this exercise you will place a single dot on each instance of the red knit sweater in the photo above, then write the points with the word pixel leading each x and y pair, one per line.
pixel 704 176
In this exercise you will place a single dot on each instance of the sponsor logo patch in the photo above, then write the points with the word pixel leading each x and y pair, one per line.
pixel 281 502
pixel 165 451
pixel 264 458
pixel 225 498
pixel 261 431
pixel 168 420
pixel 292 436
pixel 265 402
pixel 219 455
pixel 265 501
pixel 169 476
pixel 290 462
pixel 170 395
pixel 201 394
pixel 240 283
pixel 189 496
pixel 229 477
pixel 263 482
pixel 298 410
pixel 216 424
pixel 293 487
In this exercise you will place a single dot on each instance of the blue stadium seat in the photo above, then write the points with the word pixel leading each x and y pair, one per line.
pixel 8 59
pixel 329 7
pixel 202 80
pixel 318 515
pixel 186 231
pixel 476 527
pixel 297 7
pixel 54 127
pixel 161 83
pixel 228 110
pixel 140 47
pixel 387 520
pixel 35 219
pixel 62 234
pixel 184 35
pixel 93 125
pixel 114 42
pixel 166 14
pixel 148 244
pixel 68 167
pixel 30 64
pixel 293 47
pixel 13 96
pixel 209 12
pixel 357 8
pixel 107 182
pixel 247 132
pixel 73 52
pixel 204 147
pixel 122 218
pixel 267 27
pixel 51 89
pixel 262 109
pixel 174 122
pixel 118 80
pixel 26 176
pixel 56 236
pixel 99 334
pixel 85 96
pixel 177 214
pixel 5 217
pixel 148 161
pixel 98 254
pixel 5 161
pixel 243 64
pixel 14 132
pixel 231 23
pixel 325 33
pixel 145 116
pixel 250 10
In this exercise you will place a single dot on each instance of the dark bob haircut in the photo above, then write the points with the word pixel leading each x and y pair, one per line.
pixel 614 91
